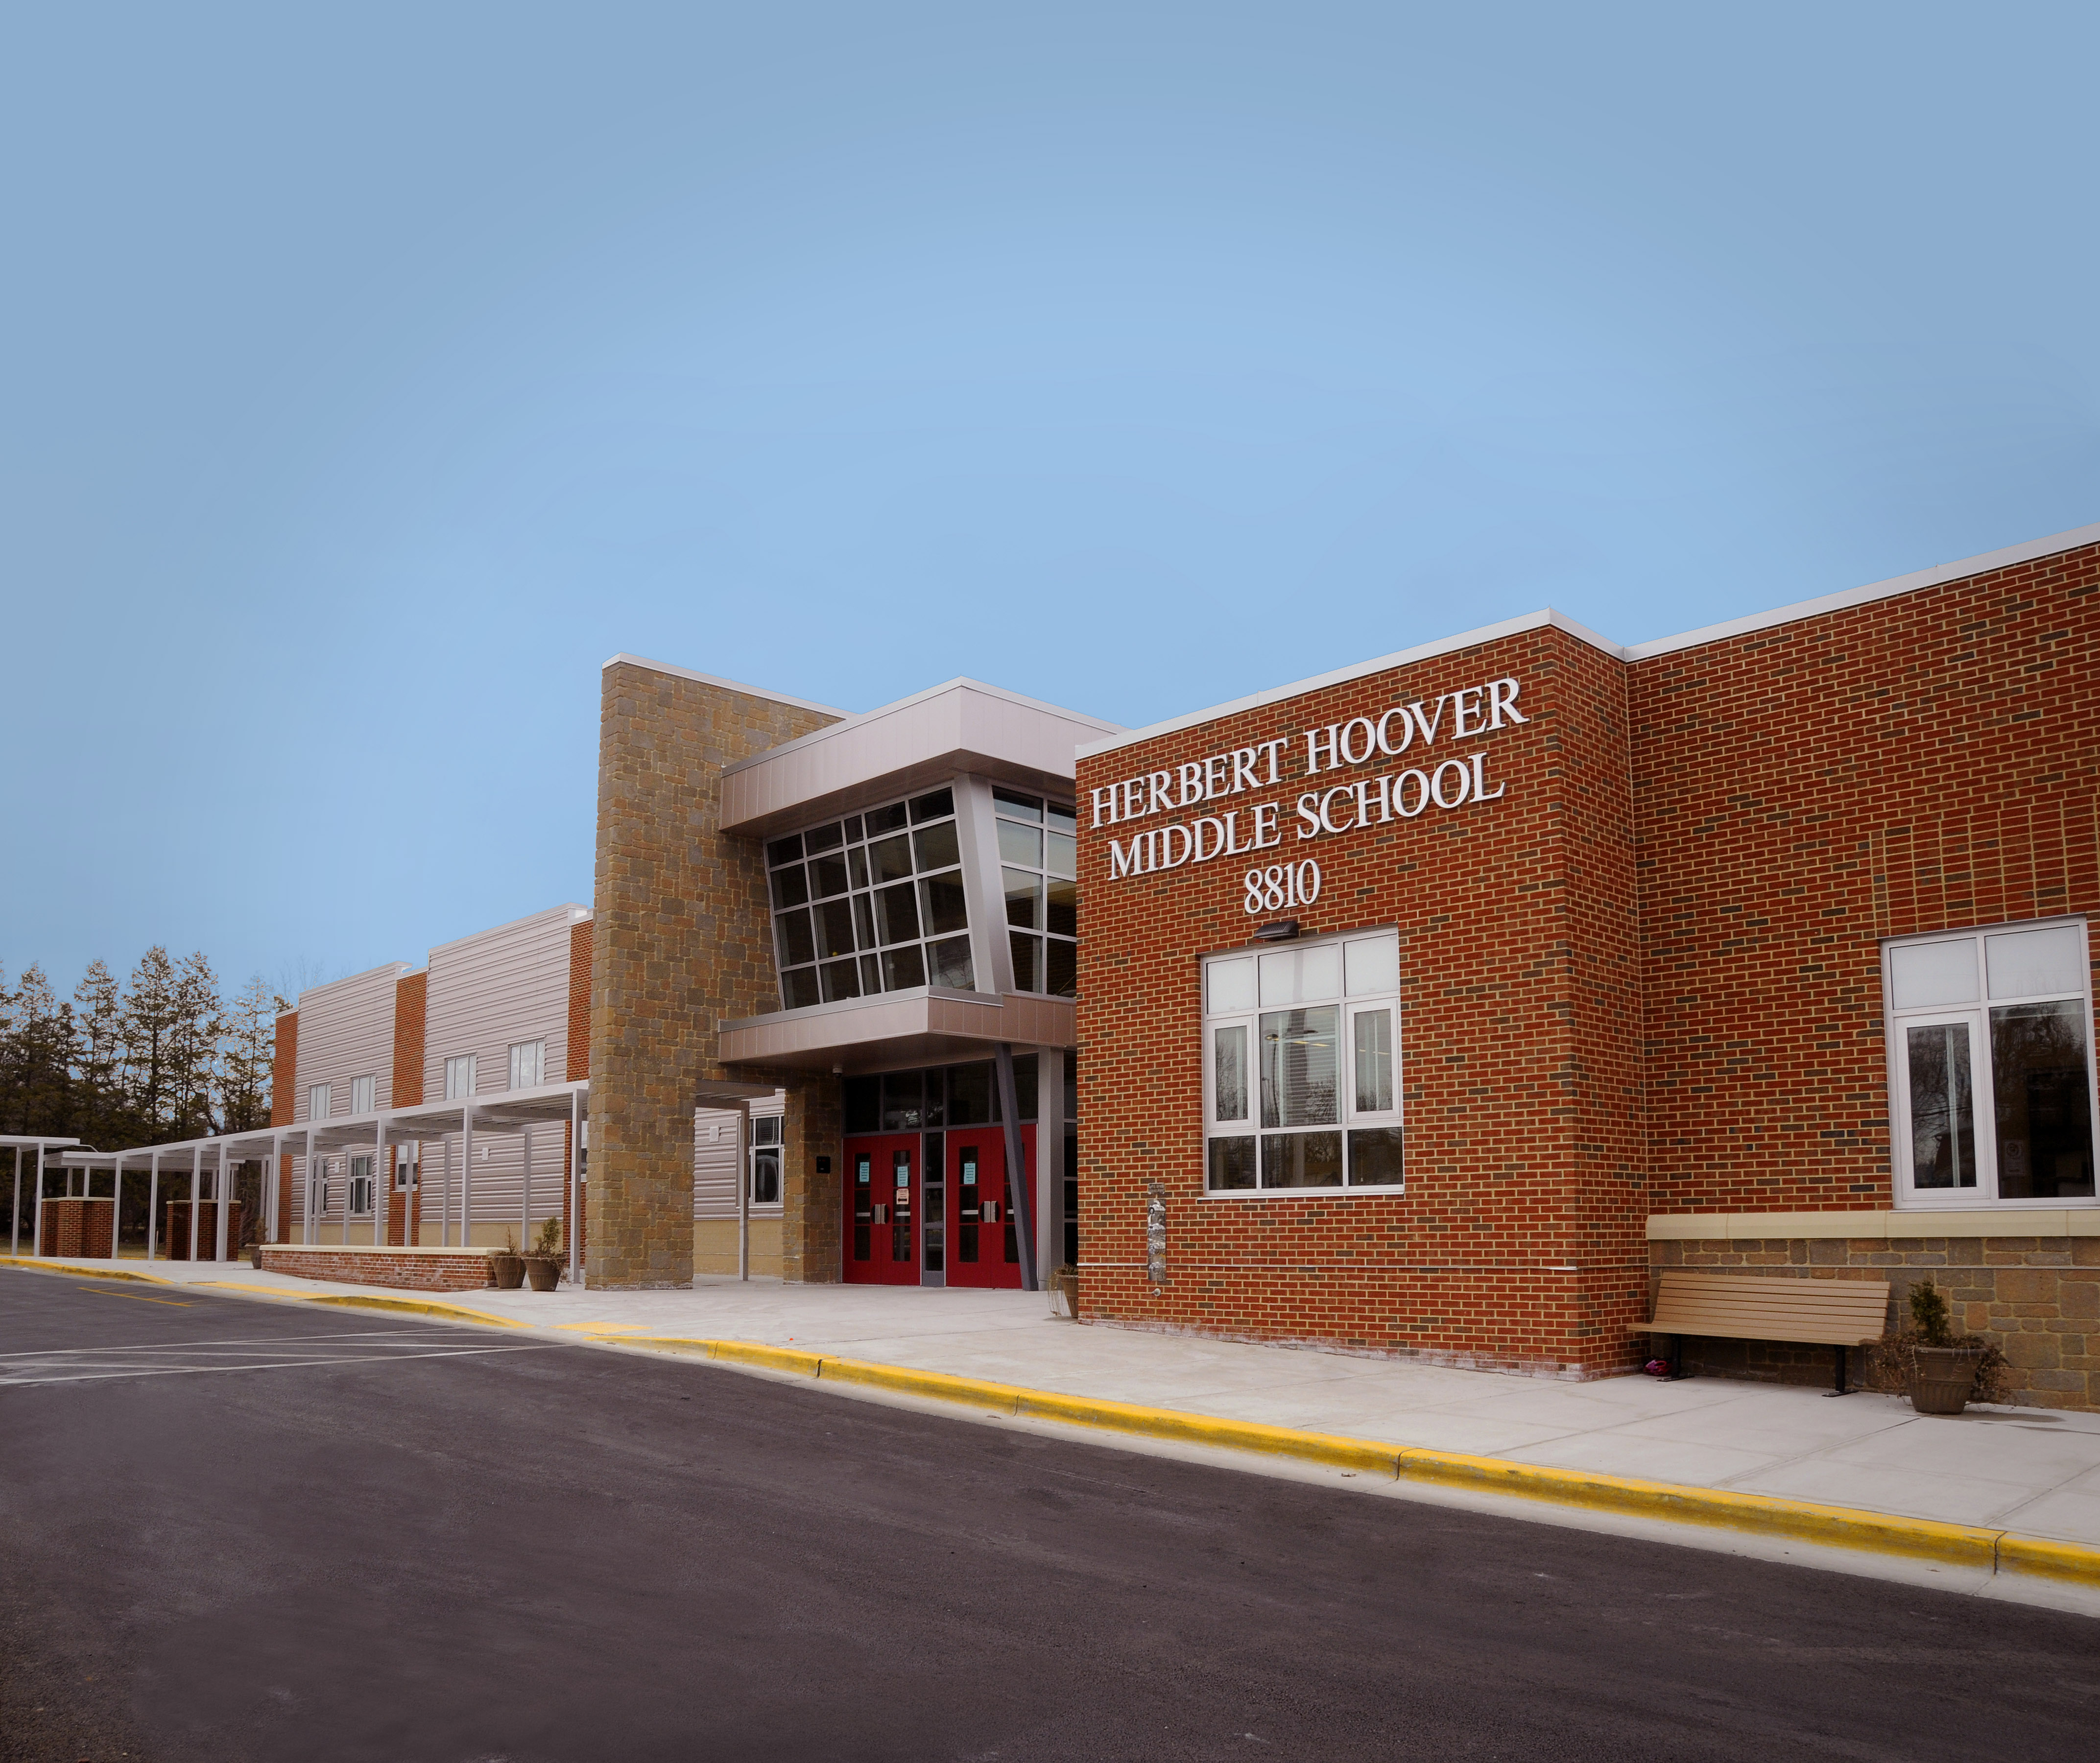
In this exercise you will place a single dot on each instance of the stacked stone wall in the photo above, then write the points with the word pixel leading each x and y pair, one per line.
pixel 2037 1299
pixel 681 939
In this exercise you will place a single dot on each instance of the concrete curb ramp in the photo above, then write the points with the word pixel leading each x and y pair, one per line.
pixel 1967 1545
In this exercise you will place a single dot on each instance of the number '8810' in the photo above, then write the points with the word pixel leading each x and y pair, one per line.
pixel 1281 885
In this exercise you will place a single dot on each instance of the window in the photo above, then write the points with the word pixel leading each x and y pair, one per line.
pixel 1991 1063
pixel 459 1077
pixel 528 1065
pixel 317 1183
pixel 408 1171
pixel 317 1101
pixel 1038 862
pixel 872 903
pixel 361 1186
pixel 360 1095
pixel 765 1148
pixel 1301 1066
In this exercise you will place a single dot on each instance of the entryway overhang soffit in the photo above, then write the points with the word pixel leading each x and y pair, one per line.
pixel 918 743
pixel 927 1025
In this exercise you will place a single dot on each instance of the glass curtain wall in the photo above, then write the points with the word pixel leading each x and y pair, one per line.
pixel 871 903
pixel 1039 868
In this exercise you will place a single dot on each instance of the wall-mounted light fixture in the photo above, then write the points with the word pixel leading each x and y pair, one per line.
pixel 1280 932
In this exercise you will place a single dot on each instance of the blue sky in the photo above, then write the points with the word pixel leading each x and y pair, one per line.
pixel 368 375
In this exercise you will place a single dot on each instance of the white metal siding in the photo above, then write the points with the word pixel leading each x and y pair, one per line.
pixel 347 1031
pixel 487 992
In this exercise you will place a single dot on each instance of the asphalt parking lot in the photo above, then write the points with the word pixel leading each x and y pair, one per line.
pixel 235 1530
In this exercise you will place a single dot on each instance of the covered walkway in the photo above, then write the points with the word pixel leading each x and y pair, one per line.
pixel 198 1176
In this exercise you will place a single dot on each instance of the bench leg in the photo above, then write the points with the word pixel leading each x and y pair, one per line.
pixel 1839 1389
pixel 1676 1357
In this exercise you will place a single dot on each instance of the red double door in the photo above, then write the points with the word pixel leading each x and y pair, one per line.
pixel 931 1208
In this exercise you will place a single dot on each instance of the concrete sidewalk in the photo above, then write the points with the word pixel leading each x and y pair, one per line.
pixel 2031 1470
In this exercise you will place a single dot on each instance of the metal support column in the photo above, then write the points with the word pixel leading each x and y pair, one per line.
pixel 525 1224
pixel 221 1182
pixel 37 1229
pixel 1016 1170
pixel 445 1199
pixel 466 1176
pixel 382 1184
pixel 196 1182
pixel 153 1207
pixel 743 1191
pixel 14 1217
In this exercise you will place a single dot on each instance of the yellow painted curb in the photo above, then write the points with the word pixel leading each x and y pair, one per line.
pixel 994 1398
pixel 1842 1526
pixel 1839 1527
pixel 42 1264
pixel 2052 1560
pixel 1358 1454
pixel 771 1358
pixel 411 1307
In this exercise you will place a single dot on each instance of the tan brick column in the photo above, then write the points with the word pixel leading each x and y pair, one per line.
pixel 681 941
pixel 812 1200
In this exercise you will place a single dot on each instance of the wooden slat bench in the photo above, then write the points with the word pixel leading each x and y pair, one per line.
pixel 1734 1306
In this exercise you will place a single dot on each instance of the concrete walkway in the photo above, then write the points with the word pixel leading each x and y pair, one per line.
pixel 2033 1470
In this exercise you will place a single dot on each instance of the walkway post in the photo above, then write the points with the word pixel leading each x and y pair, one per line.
pixel 196 1182
pixel 525 1224
pixel 14 1217
pixel 743 1191
pixel 116 1202
pixel 576 1158
pixel 445 1199
pixel 220 1215
pixel 382 1184
pixel 153 1207
pixel 466 1175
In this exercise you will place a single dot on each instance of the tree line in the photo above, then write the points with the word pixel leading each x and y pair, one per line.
pixel 161 1058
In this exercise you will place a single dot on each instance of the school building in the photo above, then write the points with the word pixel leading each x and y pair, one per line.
pixel 1431 1006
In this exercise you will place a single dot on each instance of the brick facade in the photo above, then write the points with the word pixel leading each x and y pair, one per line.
pixel 1927 762
pixel 1646 980
pixel 420 1271
pixel 682 940
pixel 77 1230
pixel 1517 1243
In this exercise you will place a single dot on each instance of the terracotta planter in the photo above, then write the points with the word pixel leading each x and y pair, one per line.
pixel 510 1271
pixel 1942 1377
pixel 544 1271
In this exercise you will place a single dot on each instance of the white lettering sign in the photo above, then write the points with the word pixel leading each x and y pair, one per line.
pixel 1324 812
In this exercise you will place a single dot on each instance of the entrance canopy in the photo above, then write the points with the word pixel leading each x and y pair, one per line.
pixel 206 1160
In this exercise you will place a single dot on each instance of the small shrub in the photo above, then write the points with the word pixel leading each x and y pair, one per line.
pixel 1928 1315
pixel 549 1240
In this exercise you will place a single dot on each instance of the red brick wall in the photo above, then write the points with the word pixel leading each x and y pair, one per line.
pixel 284 1069
pixel 411 993
pixel 1518 1241
pixel 1926 762
pixel 458 1272
pixel 580 974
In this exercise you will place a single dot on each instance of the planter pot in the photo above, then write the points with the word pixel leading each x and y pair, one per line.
pixel 1064 1293
pixel 255 1257
pixel 544 1271
pixel 1942 1377
pixel 509 1270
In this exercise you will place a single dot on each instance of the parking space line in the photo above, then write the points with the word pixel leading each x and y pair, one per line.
pixel 284 1364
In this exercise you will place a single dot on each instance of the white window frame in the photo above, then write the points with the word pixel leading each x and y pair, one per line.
pixel 407 1167
pixel 1349 1115
pixel 317 1101
pixel 362 1097
pixel 1977 1016
pixel 528 1059
pixel 459 1065
pixel 762 1126
pixel 360 1182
